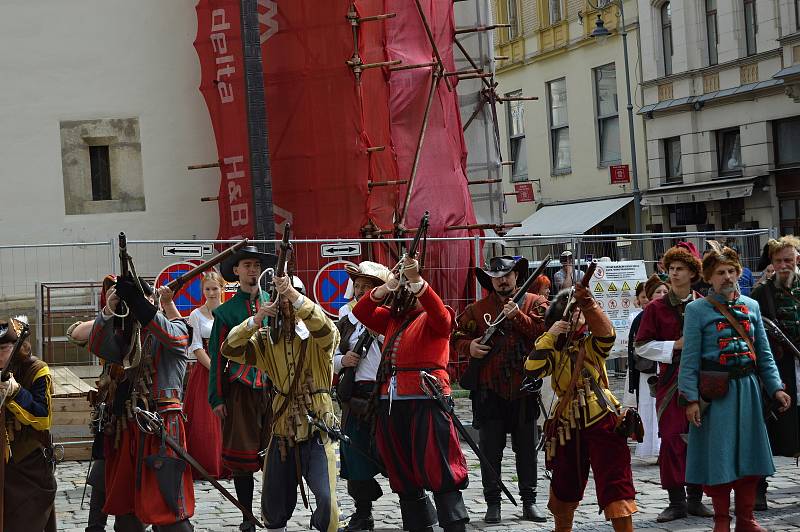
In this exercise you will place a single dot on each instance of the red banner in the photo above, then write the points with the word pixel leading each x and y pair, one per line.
pixel 219 48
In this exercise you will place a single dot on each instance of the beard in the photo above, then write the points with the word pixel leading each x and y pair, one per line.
pixel 505 292
pixel 728 289
pixel 785 278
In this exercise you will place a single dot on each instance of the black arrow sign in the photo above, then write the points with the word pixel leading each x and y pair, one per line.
pixel 176 250
pixel 348 249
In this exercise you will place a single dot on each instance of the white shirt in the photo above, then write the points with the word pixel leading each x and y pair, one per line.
pixel 660 350
pixel 368 367
pixel 201 329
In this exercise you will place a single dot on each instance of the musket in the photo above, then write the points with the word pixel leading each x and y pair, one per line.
pixel 432 388
pixel 518 298
pixel 469 379
pixel 347 376
pixel 276 324
pixel 177 283
pixel 21 337
pixel 151 423
pixel 775 332
pixel 564 340
pixel 398 299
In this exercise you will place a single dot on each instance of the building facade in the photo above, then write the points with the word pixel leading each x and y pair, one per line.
pixel 721 113
pixel 566 143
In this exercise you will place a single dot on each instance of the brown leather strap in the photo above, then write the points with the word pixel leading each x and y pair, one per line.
pixel 734 323
pixel 298 370
pixel 576 370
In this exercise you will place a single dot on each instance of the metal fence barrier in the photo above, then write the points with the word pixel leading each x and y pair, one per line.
pixel 62 279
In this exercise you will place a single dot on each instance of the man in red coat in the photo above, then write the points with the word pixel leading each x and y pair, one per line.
pixel 499 407
pixel 660 338
pixel 416 439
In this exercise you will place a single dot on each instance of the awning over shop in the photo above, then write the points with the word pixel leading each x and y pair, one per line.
pixel 569 218
pixel 700 192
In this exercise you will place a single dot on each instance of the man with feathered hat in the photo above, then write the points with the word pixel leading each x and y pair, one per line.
pixel 357 373
pixel 779 299
pixel 725 363
pixel 660 339
pixel 29 486
pixel 239 393
pixel 499 407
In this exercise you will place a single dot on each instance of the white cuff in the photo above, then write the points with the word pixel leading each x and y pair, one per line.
pixel 299 303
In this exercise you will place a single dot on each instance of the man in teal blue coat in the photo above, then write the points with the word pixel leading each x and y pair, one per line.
pixel 728 444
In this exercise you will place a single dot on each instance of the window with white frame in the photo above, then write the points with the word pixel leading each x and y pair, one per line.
pixel 712 31
pixel 605 89
pixel 559 126
pixel 729 152
pixel 513 19
pixel 516 137
pixel 750 26
pixel 666 36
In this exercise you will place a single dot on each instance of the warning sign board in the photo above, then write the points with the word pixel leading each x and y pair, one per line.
pixel 612 290
pixel 190 296
pixel 330 285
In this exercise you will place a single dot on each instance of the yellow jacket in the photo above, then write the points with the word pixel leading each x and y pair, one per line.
pixel 546 360
pixel 252 345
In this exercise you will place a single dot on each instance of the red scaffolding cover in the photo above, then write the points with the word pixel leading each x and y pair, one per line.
pixel 323 118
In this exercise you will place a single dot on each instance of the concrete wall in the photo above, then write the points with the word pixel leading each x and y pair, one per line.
pixel 85 60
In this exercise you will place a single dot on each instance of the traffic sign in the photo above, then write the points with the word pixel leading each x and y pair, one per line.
pixel 341 249
pixel 330 285
pixel 190 296
pixel 208 249
pixel 183 250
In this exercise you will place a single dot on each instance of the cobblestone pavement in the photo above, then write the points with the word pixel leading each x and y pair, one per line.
pixel 214 513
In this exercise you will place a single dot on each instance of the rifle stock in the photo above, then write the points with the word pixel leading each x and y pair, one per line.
pixel 564 340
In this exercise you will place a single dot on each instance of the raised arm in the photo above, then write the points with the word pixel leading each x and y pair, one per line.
pixel 31 406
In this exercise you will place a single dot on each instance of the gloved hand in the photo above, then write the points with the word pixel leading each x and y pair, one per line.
pixel 9 388
pixel 142 309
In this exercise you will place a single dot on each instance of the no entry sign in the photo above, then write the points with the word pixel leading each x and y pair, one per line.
pixel 190 296
pixel 330 285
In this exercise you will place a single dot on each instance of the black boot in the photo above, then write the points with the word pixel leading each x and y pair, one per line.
pixel 531 513
pixel 417 512
pixel 761 495
pixel 694 502
pixel 362 518
pixel 492 513
pixel 676 508
pixel 451 511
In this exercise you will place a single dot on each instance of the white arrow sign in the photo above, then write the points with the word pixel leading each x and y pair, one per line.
pixel 183 250
pixel 341 249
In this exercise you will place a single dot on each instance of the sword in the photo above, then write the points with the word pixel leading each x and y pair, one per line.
pixel 151 423
pixel 433 389
pixel 337 435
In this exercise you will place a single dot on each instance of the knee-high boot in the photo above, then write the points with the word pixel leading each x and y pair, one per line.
pixel 721 501
pixel 563 513
pixel 744 491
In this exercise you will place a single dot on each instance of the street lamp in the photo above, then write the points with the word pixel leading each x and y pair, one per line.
pixel 601 33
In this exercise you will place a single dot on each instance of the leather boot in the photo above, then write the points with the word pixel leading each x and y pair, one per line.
pixel 745 497
pixel 362 518
pixel 531 513
pixel 417 512
pixel 761 495
pixel 722 517
pixel 563 513
pixel 622 524
pixel 676 508
pixel 492 513
pixel 694 502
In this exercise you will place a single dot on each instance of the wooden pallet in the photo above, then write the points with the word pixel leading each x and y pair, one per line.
pixel 71 413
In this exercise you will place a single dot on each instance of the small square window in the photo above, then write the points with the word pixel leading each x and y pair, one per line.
pixel 729 151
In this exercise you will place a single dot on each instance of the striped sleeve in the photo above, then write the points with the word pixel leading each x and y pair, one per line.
pixel 540 361
pixel 602 344
pixel 171 333
pixel 243 345
pixel 33 406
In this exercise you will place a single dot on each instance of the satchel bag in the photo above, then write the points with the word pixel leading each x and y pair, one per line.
pixel 629 425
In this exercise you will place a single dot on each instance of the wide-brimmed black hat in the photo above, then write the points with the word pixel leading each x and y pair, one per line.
pixel 268 260
pixel 500 266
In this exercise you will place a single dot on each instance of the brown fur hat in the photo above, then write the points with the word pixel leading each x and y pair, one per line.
pixel 717 255
pixel 682 254
pixel 652 284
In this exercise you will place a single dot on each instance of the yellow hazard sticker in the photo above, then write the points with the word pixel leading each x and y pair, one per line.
pixel 612 287
pixel 625 286
pixel 598 288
